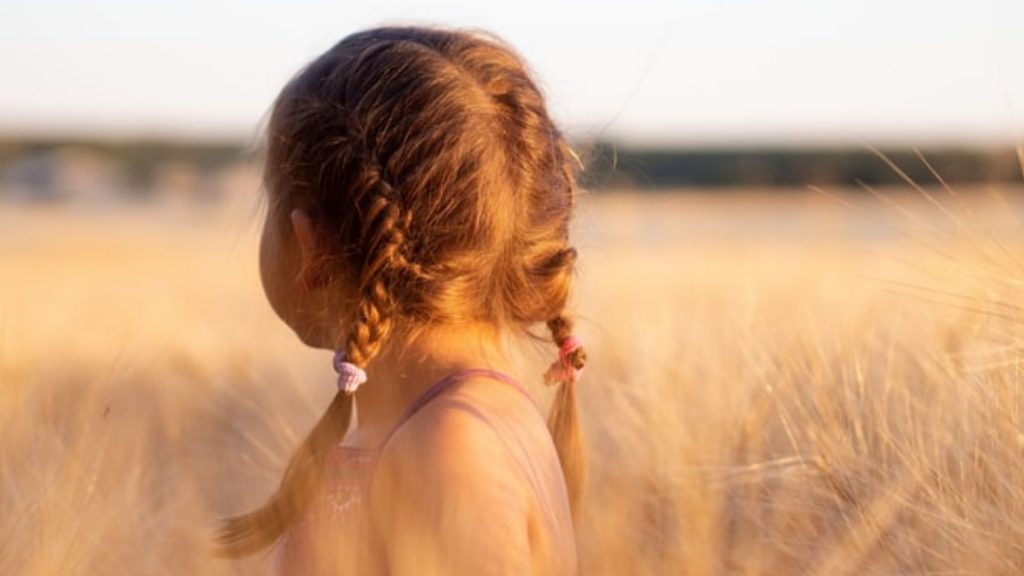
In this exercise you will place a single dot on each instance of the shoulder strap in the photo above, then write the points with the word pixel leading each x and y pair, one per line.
pixel 443 384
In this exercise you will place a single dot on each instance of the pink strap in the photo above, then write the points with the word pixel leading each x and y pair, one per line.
pixel 446 382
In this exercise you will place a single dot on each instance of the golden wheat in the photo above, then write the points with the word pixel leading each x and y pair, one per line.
pixel 777 385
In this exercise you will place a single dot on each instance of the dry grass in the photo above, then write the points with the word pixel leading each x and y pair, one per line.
pixel 776 386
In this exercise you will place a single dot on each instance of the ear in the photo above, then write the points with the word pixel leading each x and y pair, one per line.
pixel 305 239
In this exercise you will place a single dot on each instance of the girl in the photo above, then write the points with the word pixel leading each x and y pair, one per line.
pixel 420 201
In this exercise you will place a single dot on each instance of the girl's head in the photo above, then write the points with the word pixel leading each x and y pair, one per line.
pixel 420 168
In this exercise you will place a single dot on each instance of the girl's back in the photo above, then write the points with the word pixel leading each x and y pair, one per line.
pixel 337 535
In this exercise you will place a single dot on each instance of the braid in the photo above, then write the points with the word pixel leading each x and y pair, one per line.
pixel 384 231
pixel 564 420
pixel 248 533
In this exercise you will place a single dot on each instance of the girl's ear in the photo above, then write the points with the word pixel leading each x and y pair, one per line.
pixel 305 239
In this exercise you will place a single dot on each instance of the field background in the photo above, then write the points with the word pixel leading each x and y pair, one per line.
pixel 778 383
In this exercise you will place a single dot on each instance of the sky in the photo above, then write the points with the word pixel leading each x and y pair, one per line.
pixel 697 72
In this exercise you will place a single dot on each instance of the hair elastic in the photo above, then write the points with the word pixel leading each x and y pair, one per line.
pixel 350 376
pixel 563 370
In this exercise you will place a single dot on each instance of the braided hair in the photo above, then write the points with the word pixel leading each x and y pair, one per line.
pixel 445 192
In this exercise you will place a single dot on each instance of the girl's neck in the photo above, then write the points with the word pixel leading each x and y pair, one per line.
pixel 407 365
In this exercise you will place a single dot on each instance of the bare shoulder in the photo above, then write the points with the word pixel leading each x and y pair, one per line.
pixel 448 494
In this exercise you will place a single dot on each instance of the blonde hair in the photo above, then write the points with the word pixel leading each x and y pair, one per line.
pixel 428 158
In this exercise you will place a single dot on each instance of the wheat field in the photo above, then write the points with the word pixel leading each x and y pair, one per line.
pixel 778 383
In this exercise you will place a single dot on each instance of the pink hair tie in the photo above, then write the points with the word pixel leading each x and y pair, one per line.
pixel 350 376
pixel 563 370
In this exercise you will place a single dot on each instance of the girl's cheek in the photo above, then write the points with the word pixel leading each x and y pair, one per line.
pixel 270 276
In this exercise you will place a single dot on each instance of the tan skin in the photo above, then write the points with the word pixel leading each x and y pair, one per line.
pixel 446 494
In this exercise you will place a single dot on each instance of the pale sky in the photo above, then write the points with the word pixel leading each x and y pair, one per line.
pixel 689 72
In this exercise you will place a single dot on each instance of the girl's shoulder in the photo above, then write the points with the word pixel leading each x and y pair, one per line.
pixel 476 407
pixel 488 419
pixel 468 469
pixel 475 421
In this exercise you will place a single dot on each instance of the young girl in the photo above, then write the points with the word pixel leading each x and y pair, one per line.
pixel 420 201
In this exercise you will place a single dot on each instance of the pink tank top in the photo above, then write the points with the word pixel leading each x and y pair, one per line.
pixel 339 514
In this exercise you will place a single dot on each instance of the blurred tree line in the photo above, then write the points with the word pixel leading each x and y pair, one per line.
pixel 141 167
pixel 609 165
